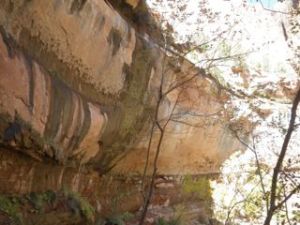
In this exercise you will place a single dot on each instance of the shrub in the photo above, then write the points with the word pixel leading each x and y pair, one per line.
pixel 77 202
pixel 11 207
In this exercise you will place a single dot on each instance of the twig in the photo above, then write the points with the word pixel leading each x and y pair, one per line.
pixel 275 11
pixel 286 208
pixel 252 149
pixel 280 159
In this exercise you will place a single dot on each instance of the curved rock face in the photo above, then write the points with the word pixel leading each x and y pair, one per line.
pixel 85 43
pixel 41 115
pixel 77 83
pixel 197 138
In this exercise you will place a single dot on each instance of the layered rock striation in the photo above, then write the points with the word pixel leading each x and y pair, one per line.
pixel 79 85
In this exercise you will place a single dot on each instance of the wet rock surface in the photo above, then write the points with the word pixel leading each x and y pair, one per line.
pixel 37 191
pixel 79 83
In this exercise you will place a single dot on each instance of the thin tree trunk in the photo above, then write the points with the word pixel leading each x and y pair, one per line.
pixel 280 159
pixel 150 192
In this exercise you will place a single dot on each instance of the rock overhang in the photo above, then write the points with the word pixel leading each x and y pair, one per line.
pixel 93 80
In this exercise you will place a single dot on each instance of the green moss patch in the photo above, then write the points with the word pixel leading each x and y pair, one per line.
pixel 199 186
pixel 11 207
pixel 57 206
pixel 79 204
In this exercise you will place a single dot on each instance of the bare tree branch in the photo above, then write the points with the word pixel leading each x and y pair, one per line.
pixel 280 159
pixel 275 11
pixel 258 165
pixel 294 191
pixel 286 208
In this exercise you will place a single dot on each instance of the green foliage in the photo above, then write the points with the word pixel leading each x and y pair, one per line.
pixel 38 200
pixel 77 202
pixel 204 48
pixel 120 219
pixel 173 221
pixel 127 216
pixel 200 186
pixel 296 214
pixel 225 48
pixel 253 206
pixel 11 207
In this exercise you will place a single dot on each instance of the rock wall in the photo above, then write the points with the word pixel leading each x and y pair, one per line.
pixel 79 85
pixel 45 194
pixel 43 116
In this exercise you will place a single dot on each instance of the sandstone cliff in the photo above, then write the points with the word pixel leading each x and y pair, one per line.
pixel 79 83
